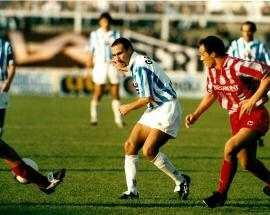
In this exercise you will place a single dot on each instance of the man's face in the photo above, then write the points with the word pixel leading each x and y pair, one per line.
pixel 104 23
pixel 207 59
pixel 120 57
pixel 247 33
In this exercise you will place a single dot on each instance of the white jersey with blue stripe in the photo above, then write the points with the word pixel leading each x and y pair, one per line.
pixel 150 80
pixel 251 51
pixel 6 58
pixel 100 42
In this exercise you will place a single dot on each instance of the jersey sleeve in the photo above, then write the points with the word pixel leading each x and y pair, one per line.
pixel 266 55
pixel 252 69
pixel 143 81
pixel 91 42
pixel 231 49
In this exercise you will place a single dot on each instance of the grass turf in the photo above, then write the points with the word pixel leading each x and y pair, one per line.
pixel 55 132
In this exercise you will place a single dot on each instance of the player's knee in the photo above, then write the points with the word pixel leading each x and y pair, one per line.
pixel 149 152
pixel 230 150
pixel 129 147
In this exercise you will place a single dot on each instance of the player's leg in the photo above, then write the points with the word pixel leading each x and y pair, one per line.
pixel 2 120
pixel 114 79
pixel 116 105
pixel 154 141
pixel 16 164
pixel 97 94
pixel 132 146
pixel 229 165
pixel 249 161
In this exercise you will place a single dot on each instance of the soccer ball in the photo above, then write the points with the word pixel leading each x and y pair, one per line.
pixel 29 162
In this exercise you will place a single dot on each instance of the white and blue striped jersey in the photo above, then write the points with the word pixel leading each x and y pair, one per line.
pixel 100 42
pixel 251 51
pixel 150 80
pixel 6 58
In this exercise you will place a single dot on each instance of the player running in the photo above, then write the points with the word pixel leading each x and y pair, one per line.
pixel 231 82
pixel 100 48
pixel 158 124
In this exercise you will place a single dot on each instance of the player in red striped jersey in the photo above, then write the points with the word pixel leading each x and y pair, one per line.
pixel 241 88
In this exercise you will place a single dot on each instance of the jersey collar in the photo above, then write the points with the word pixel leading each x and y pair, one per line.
pixel 132 60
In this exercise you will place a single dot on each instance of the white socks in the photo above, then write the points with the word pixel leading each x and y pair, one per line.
pixel 162 162
pixel 131 162
pixel 93 110
pixel 117 115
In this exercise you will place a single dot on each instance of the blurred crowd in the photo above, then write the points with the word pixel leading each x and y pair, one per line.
pixel 163 7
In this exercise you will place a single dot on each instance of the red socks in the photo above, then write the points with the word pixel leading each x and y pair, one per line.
pixel 227 172
pixel 30 174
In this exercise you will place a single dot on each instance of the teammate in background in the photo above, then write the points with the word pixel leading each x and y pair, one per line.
pixel 12 159
pixel 7 72
pixel 100 58
pixel 158 124
pixel 249 119
pixel 249 48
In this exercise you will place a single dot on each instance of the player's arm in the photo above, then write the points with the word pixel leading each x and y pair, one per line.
pixel 205 103
pixel 139 103
pixel 249 104
pixel 10 70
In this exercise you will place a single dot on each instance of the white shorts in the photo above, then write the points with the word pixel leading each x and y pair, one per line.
pixel 165 118
pixel 3 100
pixel 104 72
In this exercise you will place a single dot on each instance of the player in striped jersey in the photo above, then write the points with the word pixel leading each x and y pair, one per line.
pixel 100 51
pixel 7 72
pixel 231 82
pixel 249 48
pixel 7 153
pixel 158 124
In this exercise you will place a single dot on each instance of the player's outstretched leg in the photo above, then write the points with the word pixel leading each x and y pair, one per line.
pixel 131 162
pixel 182 182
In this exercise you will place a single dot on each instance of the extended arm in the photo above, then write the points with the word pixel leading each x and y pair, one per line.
pixel 206 102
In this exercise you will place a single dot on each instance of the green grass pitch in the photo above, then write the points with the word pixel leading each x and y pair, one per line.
pixel 55 132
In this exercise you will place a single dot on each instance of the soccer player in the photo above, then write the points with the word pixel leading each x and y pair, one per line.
pixel 248 47
pixel 12 159
pixel 231 82
pixel 100 48
pixel 158 124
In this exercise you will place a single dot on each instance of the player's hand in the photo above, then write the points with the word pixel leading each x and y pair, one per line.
pixel 124 109
pixel 190 119
pixel 246 106
pixel 121 67
pixel 5 86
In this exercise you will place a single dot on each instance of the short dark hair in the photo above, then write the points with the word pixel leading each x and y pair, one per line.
pixel 213 44
pixel 124 41
pixel 107 16
pixel 252 25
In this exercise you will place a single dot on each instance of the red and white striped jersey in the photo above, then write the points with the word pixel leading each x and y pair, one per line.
pixel 236 81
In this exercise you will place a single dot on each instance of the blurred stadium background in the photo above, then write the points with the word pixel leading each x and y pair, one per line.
pixel 49 38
